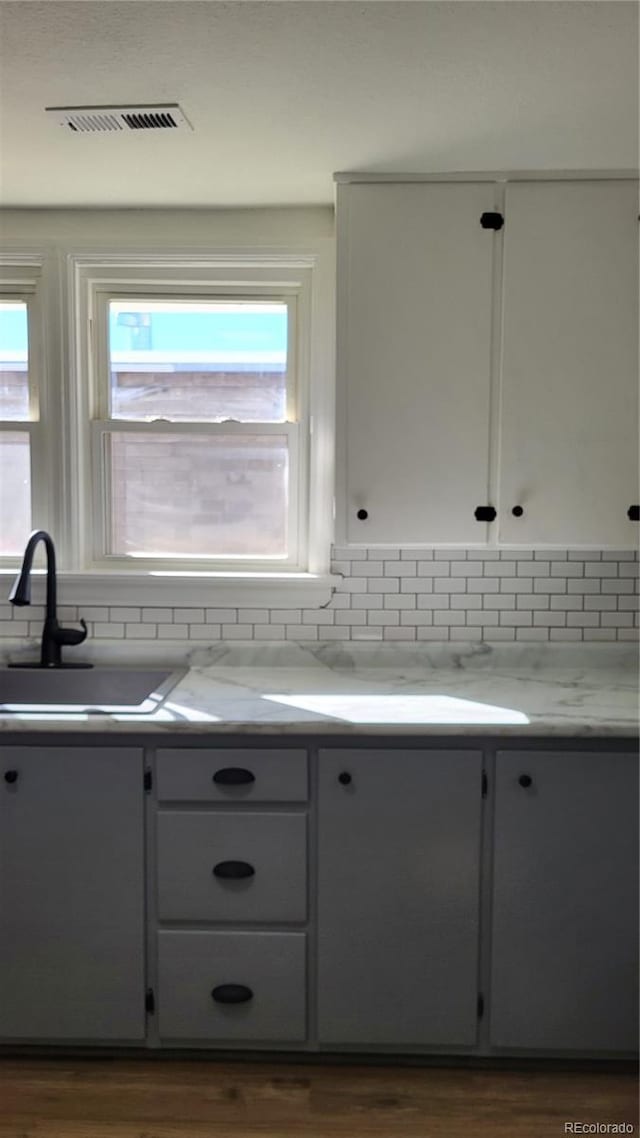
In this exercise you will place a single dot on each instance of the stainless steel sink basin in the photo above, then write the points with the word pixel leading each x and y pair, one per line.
pixel 86 689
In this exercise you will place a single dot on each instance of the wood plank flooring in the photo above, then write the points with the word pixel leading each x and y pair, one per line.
pixel 138 1098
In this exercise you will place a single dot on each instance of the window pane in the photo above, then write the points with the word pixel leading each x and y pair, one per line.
pixel 14 375
pixel 198 361
pixel 15 491
pixel 197 495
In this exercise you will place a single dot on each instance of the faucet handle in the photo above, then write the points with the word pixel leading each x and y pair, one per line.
pixel 72 635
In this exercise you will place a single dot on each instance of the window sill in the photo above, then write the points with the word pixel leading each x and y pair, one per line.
pixel 213 590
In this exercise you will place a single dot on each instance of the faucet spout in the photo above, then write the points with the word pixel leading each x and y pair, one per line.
pixel 21 591
pixel 53 636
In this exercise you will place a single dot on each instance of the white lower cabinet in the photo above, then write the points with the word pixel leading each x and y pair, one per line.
pixel 564 939
pixel 72 894
pixel 399 897
pixel 479 900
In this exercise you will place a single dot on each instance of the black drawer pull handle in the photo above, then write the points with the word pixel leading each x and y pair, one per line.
pixel 633 513
pixel 362 515
pixel 233 776
pixel 517 511
pixel 344 778
pixel 525 780
pixel 232 994
pixel 233 870
pixel 10 776
pixel 485 513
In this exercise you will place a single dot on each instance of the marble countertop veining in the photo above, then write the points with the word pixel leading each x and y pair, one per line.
pixel 360 689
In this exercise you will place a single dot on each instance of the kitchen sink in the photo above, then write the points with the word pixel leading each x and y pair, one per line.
pixel 136 689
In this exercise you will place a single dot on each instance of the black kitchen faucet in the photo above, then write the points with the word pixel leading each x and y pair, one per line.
pixel 53 635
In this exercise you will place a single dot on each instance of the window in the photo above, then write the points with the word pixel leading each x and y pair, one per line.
pixel 21 476
pixel 195 417
pixel 168 415
pixel 198 430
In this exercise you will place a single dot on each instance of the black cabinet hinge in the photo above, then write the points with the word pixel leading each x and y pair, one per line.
pixel 485 513
pixel 480 1005
pixel 485 784
pixel 492 221
pixel 149 1002
pixel 148 780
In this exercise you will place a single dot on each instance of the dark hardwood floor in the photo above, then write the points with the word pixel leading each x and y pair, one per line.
pixel 133 1098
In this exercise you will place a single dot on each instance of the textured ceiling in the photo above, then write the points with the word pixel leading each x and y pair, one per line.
pixel 281 95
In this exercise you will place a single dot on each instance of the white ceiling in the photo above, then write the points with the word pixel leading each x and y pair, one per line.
pixel 281 94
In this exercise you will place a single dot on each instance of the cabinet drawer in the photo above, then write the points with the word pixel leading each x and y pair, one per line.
pixel 231 774
pixel 232 867
pixel 270 967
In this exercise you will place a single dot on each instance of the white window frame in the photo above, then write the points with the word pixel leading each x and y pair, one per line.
pixel 305 282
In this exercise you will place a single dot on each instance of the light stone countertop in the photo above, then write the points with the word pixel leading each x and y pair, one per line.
pixel 359 689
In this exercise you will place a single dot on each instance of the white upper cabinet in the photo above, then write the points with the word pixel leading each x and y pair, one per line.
pixel 479 368
pixel 414 352
pixel 569 418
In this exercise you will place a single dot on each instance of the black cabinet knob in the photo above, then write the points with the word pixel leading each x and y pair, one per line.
pixel 633 513
pixel 517 511
pixel 362 515
pixel 232 994
pixel 10 776
pixel 233 776
pixel 233 870
pixel 525 780
pixel 344 778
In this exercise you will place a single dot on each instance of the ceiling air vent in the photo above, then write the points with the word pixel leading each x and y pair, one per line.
pixel 149 116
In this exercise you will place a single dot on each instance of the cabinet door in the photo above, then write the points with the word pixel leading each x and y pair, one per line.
pixel 399 852
pixel 569 447
pixel 71 893
pixel 565 902
pixel 414 323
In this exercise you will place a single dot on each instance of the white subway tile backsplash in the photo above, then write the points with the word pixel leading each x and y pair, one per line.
pixel 583 619
pixel 466 601
pixel 484 585
pixel 532 601
pixel 417 584
pixel 450 585
pixel 466 633
pixel 516 585
pixel 173 632
pixel 384 584
pixel 222 616
pixel 550 619
pixel 617 585
pixel 449 617
pixel 404 595
pixel 188 616
pixel 549 585
pixel 588 585
pixel 397 633
pixel 145 631
pixel 383 619
pixel 434 601
pixel 567 603
pixel 367 601
pixel 236 632
pixel 400 601
pixel 105 630
pixel 157 616
pixel 498 600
